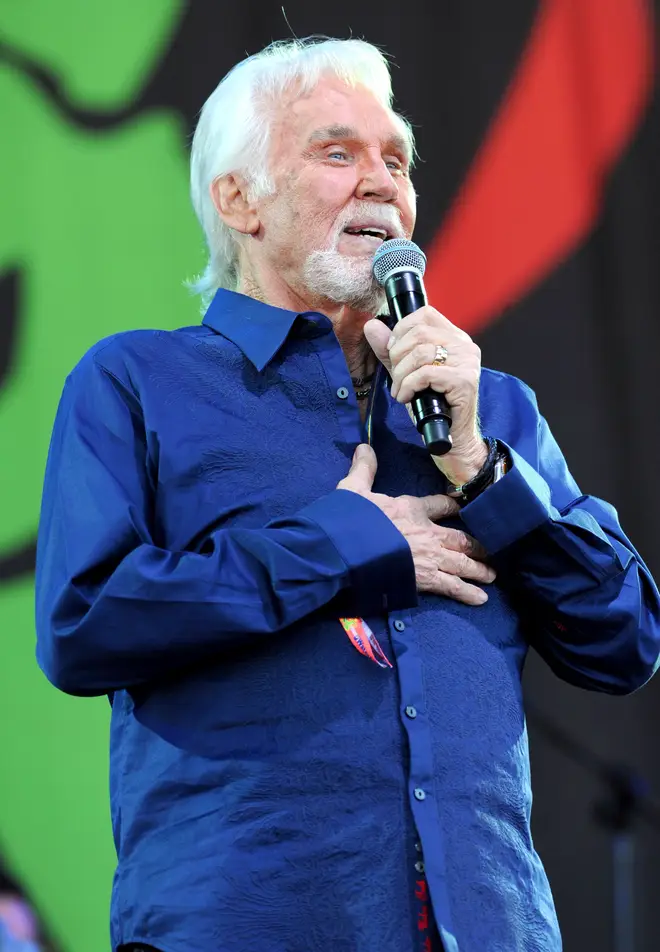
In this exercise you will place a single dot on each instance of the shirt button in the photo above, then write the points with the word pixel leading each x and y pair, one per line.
pixel 418 847
pixel 399 625
pixel 411 711
pixel 342 393
pixel 420 794
pixel 419 866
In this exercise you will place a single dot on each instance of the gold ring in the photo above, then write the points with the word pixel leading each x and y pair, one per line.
pixel 441 355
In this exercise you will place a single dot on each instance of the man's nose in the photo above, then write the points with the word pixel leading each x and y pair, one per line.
pixel 376 181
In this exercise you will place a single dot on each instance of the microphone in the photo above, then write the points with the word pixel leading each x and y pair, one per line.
pixel 399 267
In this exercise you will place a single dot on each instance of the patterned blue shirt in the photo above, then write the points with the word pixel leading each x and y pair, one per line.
pixel 272 789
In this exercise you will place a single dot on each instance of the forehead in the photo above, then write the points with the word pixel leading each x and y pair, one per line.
pixel 332 105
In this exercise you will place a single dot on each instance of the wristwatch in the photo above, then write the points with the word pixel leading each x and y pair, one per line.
pixel 496 466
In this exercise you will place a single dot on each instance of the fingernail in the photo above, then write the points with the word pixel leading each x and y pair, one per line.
pixel 483 598
pixel 391 342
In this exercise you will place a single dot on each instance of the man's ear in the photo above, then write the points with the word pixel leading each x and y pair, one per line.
pixel 230 195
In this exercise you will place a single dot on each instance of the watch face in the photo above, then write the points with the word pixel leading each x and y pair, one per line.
pixel 501 466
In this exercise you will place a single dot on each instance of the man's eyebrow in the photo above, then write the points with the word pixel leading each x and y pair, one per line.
pixel 396 142
pixel 332 132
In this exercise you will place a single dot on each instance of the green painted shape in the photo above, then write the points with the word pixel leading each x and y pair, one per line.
pixel 101 52
pixel 102 229
pixel 55 827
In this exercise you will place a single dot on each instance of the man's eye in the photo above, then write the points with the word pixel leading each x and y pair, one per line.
pixel 340 155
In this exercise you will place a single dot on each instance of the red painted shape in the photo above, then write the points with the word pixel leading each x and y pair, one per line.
pixel 535 186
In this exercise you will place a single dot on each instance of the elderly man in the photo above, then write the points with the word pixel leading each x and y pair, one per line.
pixel 215 524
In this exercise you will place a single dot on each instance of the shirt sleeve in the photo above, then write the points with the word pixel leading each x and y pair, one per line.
pixel 589 603
pixel 114 609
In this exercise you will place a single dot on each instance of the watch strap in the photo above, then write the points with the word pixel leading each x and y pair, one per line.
pixel 495 467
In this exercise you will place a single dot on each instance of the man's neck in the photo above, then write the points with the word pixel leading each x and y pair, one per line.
pixel 348 323
pixel 359 356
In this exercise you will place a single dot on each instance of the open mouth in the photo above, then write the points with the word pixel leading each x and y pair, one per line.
pixel 368 231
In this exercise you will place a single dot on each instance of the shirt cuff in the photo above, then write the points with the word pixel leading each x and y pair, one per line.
pixel 377 555
pixel 511 508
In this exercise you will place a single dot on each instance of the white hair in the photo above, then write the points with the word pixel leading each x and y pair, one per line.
pixel 232 134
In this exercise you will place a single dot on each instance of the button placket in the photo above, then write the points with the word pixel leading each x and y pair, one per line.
pixel 336 373
pixel 421 788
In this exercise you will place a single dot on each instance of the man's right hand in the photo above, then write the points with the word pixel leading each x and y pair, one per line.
pixel 443 557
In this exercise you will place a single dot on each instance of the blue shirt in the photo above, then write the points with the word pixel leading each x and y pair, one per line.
pixel 272 789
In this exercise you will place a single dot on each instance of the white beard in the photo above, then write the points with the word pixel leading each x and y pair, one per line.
pixel 344 280
pixel 348 279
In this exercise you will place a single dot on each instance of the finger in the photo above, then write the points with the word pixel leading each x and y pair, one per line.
pixel 421 355
pixel 460 541
pixel 428 317
pixel 442 379
pixel 439 507
pixel 378 334
pixel 461 565
pixel 420 333
pixel 452 587
pixel 361 475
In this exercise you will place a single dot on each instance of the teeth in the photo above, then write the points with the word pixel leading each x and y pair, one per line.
pixel 377 232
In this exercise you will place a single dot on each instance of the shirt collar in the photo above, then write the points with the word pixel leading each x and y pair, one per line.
pixel 257 328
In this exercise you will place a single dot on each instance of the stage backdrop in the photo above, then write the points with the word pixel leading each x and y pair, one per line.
pixel 539 207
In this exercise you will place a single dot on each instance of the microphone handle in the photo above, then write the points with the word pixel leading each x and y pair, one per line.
pixel 405 294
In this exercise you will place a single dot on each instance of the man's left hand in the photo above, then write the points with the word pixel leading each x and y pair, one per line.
pixel 408 353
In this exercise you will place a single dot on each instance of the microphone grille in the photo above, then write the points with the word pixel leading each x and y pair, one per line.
pixel 397 254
